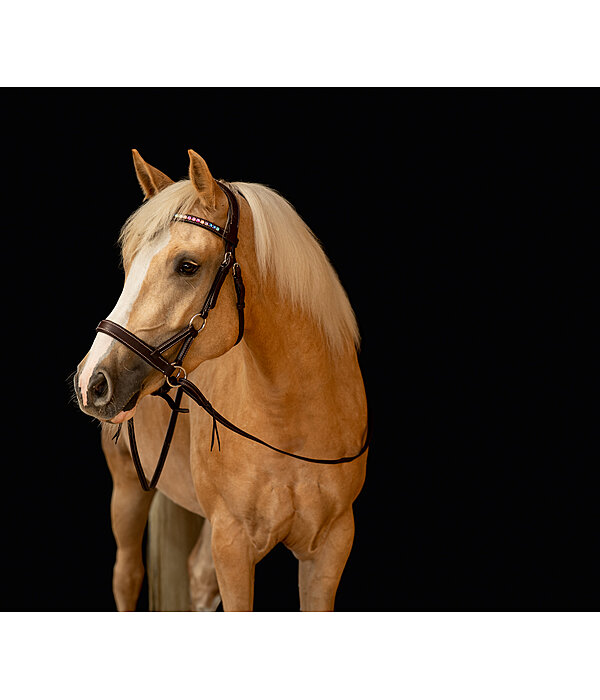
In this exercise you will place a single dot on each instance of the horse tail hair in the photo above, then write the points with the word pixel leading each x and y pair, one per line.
pixel 172 533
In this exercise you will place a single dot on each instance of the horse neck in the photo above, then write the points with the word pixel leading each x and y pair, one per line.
pixel 286 355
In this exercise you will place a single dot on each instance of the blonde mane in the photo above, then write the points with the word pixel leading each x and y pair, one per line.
pixel 286 250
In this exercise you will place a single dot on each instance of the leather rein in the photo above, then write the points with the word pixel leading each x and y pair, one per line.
pixel 175 374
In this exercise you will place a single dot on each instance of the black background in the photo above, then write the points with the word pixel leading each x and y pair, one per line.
pixel 458 221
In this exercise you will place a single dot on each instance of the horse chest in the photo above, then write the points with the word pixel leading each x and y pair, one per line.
pixel 275 501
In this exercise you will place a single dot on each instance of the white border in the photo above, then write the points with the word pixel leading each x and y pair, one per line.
pixel 309 43
pixel 292 655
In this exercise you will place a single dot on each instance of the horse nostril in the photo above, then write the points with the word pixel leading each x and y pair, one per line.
pixel 99 388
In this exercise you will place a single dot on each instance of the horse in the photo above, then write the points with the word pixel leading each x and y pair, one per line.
pixel 285 370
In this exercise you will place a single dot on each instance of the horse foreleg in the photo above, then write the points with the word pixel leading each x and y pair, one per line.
pixel 235 560
pixel 129 513
pixel 204 589
pixel 319 575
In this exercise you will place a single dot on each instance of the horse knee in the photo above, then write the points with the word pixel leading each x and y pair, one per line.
pixel 128 576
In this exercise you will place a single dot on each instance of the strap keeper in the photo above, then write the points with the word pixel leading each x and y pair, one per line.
pixel 239 286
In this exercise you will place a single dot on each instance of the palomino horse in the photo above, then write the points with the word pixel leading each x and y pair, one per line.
pixel 293 380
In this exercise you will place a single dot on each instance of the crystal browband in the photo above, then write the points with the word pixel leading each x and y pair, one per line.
pixel 198 221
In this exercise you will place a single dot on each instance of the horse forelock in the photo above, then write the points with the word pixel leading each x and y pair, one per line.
pixel 154 216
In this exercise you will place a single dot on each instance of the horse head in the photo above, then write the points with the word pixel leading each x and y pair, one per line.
pixel 169 269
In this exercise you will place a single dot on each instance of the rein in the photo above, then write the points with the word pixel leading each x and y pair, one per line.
pixel 175 374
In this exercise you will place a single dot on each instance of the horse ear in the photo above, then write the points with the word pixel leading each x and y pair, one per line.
pixel 151 179
pixel 203 181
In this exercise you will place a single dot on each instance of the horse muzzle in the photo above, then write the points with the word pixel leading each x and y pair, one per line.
pixel 108 393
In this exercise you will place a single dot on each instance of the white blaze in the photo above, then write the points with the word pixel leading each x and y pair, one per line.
pixel 120 314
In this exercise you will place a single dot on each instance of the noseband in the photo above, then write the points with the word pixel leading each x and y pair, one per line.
pixel 175 374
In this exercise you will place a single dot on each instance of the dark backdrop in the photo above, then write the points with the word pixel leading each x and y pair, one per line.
pixel 457 221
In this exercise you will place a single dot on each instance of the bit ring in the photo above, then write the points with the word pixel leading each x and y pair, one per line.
pixel 179 369
pixel 191 323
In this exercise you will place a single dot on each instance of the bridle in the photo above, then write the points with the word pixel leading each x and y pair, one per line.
pixel 175 374
pixel 154 355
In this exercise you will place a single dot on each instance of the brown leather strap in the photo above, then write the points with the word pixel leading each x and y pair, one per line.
pixel 230 235
pixel 240 292
pixel 213 293
pixel 151 355
pixel 233 216
pixel 144 483
pixel 189 388
pixel 198 397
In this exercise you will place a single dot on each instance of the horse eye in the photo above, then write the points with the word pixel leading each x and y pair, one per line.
pixel 186 267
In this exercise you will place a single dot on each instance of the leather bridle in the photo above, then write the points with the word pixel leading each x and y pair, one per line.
pixel 154 355
pixel 175 374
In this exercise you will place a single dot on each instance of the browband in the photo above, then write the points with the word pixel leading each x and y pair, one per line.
pixel 229 233
pixel 197 221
